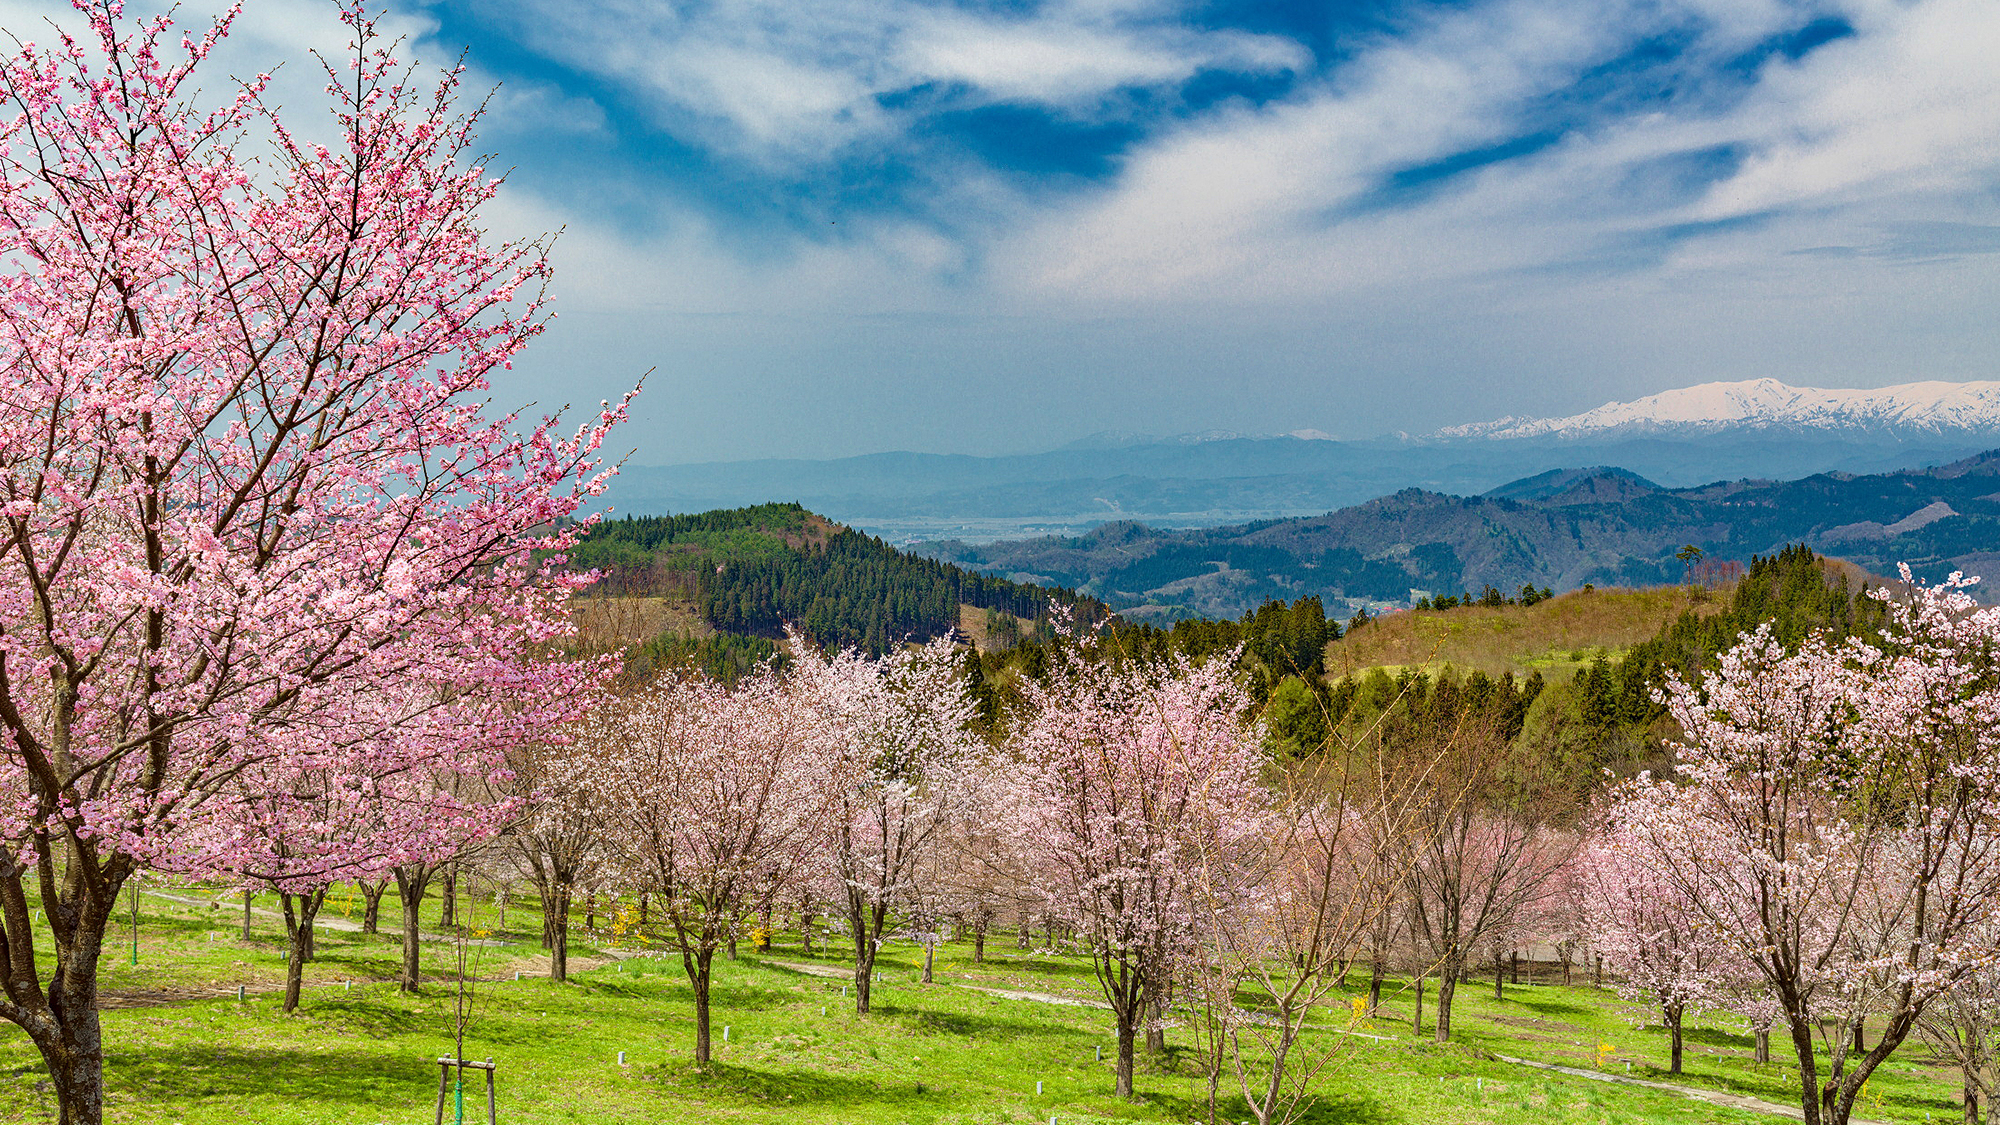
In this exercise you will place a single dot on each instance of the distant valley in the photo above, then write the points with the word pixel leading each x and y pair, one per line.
pixel 1679 439
pixel 1562 529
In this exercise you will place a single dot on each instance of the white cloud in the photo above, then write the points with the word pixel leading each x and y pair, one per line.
pixel 781 81
pixel 1058 61
pixel 1909 105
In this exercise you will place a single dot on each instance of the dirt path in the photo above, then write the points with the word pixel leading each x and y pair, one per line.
pixel 1712 1097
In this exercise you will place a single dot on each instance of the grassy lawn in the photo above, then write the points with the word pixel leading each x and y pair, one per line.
pixel 797 1053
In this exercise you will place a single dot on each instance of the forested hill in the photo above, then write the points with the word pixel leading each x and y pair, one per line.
pixel 750 571
pixel 1561 529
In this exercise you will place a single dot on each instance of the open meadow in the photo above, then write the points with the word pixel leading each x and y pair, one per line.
pixel 181 1048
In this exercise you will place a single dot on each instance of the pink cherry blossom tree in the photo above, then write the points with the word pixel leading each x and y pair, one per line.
pixel 1836 818
pixel 1661 952
pixel 714 802
pixel 1130 781
pixel 1483 859
pixel 249 493
pixel 902 763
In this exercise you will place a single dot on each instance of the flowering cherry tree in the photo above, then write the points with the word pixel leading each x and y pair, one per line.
pixel 901 763
pixel 1131 781
pixel 252 512
pixel 1661 951
pixel 1837 821
pixel 714 803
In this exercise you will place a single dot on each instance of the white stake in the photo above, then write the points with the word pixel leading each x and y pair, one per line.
pixel 1038 1089
pixel 725 1033
pixel 621 1058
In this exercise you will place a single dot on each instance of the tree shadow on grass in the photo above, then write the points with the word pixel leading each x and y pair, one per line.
pixel 805 1087
pixel 1032 965
pixel 926 1020
pixel 1547 1003
pixel 1716 1037
pixel 334 1076
pixel 1346 1109
pixel 375 1018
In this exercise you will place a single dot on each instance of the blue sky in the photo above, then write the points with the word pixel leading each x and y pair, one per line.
pixel 838 226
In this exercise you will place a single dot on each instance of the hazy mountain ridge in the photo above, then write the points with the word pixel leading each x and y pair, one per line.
pixel 1683 438
pixel 1606 527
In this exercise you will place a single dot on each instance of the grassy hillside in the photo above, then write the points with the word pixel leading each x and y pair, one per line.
pixel 1553 637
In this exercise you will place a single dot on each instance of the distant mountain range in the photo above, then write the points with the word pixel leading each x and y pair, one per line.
pixel 1757 429
pixel 1562 529
pixel 1912 411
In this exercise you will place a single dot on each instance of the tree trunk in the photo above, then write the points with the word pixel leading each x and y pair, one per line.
pixel 60 1015
pixel 410 885
pixel 1972 1106
pixel 371 909
pixel 698 977
pixel 1803 1049
pixel 1417 1021
pixel 979 941
pixel 732 947
pixel 1598 971
pixel 1126 1035
pixel 1763 1044
pixel 930 955
pixel 246 915
pixel 1860 1025
pixel 448 900
pixel 1377 968
pixel 1563 951
pixel 1673 1021
pixel 1514 968
pixel 301 911
pixel 590 911
pixel 1447 984
pixel 806 933
pixel 1499 974
pixel 865 924
pixel 556 921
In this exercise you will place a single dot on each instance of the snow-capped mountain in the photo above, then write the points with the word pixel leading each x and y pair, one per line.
pixel 1766 405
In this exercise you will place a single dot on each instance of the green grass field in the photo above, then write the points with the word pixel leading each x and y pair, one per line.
pixel 182 1049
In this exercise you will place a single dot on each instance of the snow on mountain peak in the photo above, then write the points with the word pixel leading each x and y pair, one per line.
pixel 1767 404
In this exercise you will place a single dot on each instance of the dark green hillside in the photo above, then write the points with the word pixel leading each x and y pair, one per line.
pixel 748 572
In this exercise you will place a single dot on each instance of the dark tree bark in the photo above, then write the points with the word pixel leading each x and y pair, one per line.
pixel 60 1016
pixel 411 882
pixel 371 909
pixel 1673 1022
pixel 448 900
pixel 301 911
